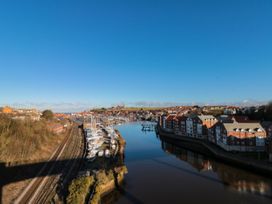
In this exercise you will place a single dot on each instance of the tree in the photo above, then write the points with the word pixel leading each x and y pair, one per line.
pixel 268 111
pixel 47 114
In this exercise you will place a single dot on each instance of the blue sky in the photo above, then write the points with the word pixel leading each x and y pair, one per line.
pixel 106 52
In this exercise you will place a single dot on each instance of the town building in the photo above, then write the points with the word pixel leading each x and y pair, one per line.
pixel 231 110
pixel 169 123
pixel 7 110
pixel 191 126
pixel 232 133
pixel 241 137
pixel 161 121
pixel 180 125
pixel 197 125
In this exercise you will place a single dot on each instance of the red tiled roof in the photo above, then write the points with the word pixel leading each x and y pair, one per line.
pixel 181 118
pixel 170 117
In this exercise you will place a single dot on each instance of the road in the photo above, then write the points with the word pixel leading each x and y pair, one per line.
pixel 52 187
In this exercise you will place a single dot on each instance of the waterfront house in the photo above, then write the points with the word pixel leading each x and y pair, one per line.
pixel 191 125
pixel 169 123
pixel 180 125
pixel 232 133
pixel 211 134
pixel 205 122
pixel 162 121
pixel 241 137
pixel 197 125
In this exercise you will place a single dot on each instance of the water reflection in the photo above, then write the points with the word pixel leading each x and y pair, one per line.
pixel 234 178
pixel 161 172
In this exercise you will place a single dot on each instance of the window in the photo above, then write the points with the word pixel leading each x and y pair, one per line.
pixel 260 141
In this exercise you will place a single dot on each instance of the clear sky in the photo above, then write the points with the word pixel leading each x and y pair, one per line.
pixel 107 52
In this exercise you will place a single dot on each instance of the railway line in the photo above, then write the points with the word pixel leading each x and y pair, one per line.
pixel 52 187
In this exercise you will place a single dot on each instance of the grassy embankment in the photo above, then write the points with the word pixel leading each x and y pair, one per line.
pixel 79 189
pixel 22 142
pixel 25 140
pixel 103 182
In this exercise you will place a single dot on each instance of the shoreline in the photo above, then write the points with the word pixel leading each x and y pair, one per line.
pixel 114 184
pixel 100 189
pixel 252 165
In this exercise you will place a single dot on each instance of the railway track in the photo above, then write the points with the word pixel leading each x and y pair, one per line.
pixel 67 172
pixel 45 189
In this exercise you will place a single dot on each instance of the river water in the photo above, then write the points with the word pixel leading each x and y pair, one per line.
pixel 159 172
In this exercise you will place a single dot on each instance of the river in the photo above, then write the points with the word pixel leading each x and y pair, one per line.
pixel 159 172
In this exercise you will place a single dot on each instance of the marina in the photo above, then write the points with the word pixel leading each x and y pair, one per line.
pixel 101 142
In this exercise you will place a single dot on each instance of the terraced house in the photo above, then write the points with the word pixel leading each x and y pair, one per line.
pixel 180 125
pixel 232 133
pixel 169 123
pixel 197 125
pixel 241 137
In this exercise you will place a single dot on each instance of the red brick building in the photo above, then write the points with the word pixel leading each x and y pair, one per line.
pixel 169 123
pixel 242 137
pixel 180 125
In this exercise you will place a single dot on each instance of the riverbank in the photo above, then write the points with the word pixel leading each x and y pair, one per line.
pixel 107 182
pixel 206 148
pixel 101 178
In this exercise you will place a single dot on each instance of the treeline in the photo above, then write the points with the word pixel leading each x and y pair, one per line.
pixel 19 139
pixel 262 113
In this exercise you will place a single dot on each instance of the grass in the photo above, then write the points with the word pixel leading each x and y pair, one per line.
pixel 21 139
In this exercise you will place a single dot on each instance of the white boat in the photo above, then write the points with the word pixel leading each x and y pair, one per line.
pixel 113 141
pixel 91 156
pixel 107 153
pixel 96 144
pixel 94 151
pixel 101 153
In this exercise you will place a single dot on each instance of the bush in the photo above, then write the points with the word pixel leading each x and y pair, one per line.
pixel 19 139
pixel 102 177
pixel 79 189
pixel 48 115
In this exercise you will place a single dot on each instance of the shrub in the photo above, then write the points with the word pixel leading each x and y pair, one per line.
pixel 79 189
pixel 19 139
